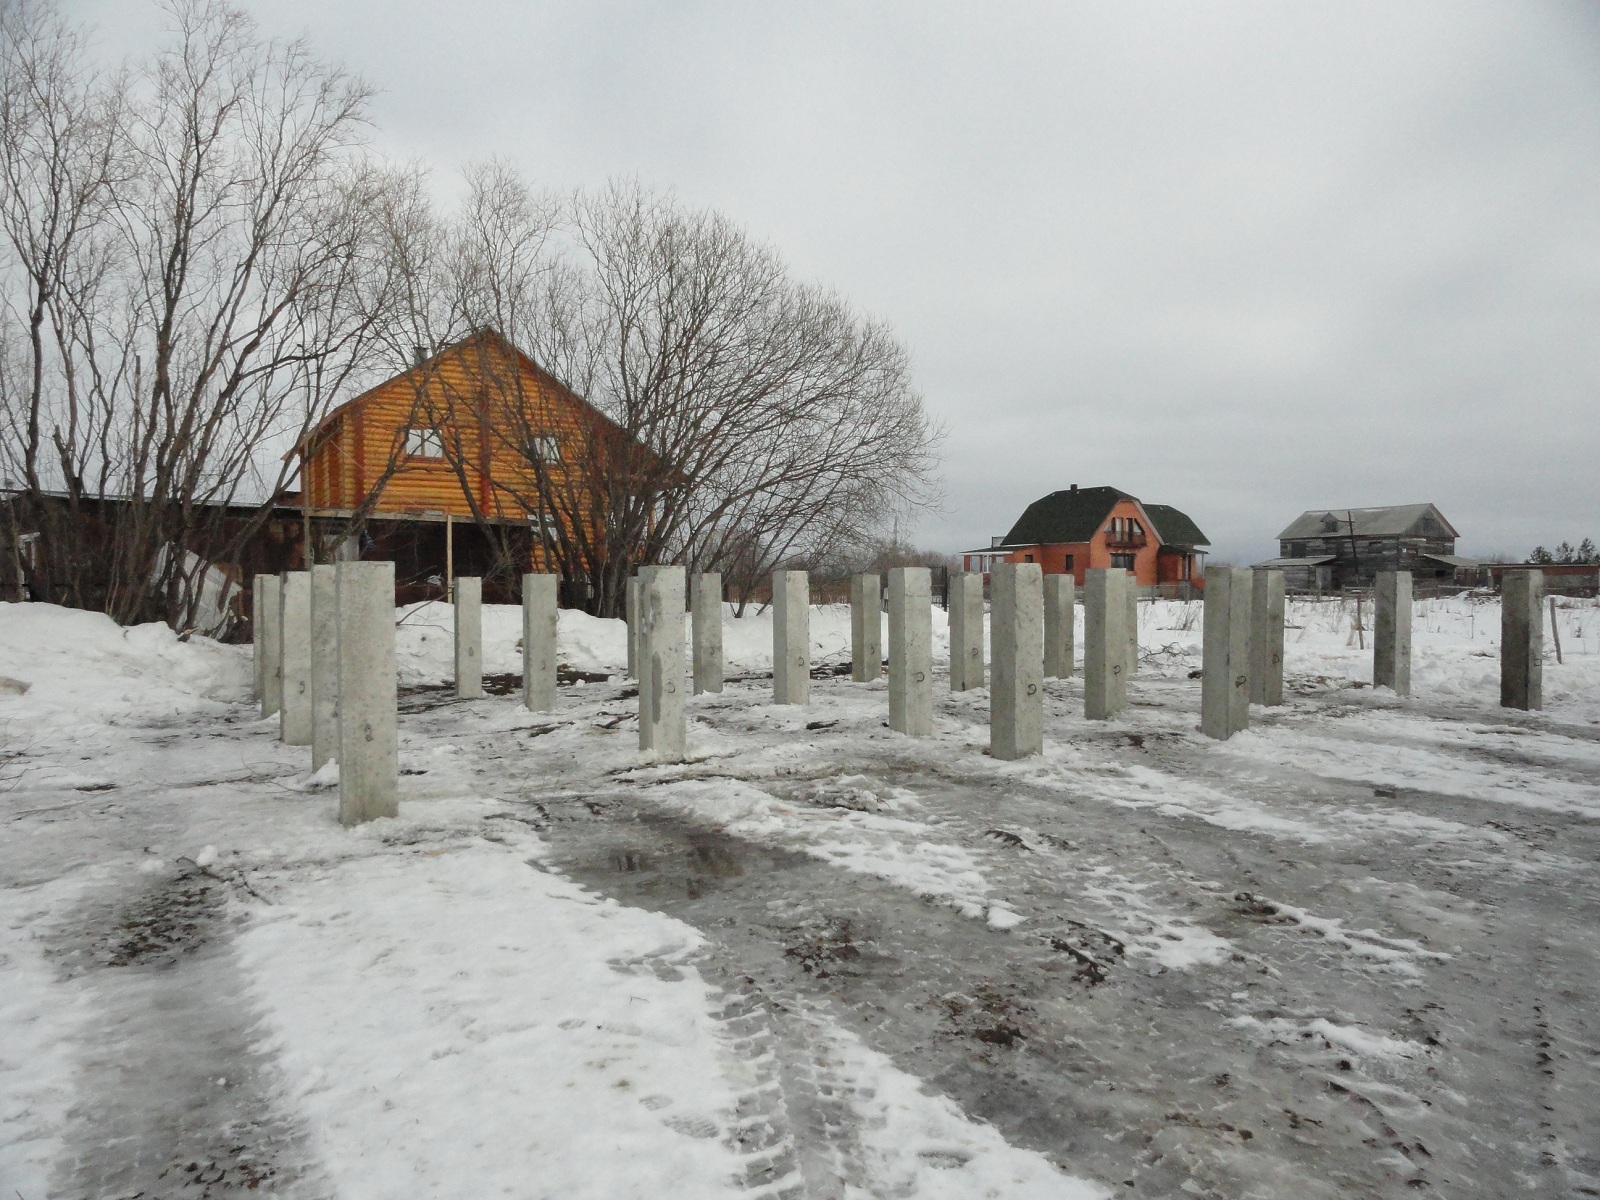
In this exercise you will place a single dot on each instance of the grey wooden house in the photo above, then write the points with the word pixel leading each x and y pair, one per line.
pixel 1331 548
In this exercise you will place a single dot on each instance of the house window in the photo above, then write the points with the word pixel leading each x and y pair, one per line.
pixel 1027 558
pixel 1124 561
pixel 1067 564
pixel 424 443
pixel 539 525
pixel 546 449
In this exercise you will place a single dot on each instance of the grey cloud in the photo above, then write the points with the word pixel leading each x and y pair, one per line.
pixel 1241 258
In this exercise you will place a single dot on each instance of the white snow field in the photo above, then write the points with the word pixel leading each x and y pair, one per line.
pixel 1353 951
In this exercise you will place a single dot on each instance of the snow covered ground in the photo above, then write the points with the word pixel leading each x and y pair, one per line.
pixel 1352 951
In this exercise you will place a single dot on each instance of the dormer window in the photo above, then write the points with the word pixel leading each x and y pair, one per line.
pixel 424 443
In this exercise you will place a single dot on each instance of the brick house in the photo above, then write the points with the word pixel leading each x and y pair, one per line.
pixel 1070 531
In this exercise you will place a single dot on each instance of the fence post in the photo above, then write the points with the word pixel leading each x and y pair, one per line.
pixel 910 651
pixel 369 749
pixel 1266 637
pixel 1016 684
pixel 966 631
pixel 1225 677
pixel 1060 615
pixel 866 629
pixel 324 665
pixel 791 638
pixel 468 605
pixel 1391 632
pixel 662 720
pixel 707 602
pixel 1130 588
pixel 540 619
pixel 267 602
pixel 630 612
pixel 295 655
pixel 1522 640
pixel 1105 643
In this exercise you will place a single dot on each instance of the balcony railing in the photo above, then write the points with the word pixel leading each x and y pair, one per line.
pixel 1125 540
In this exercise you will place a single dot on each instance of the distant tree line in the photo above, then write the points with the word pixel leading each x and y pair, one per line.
pixel 1584 552
pixel 200 256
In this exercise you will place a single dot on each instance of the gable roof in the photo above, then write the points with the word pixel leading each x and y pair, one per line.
pixel 1076 515
pixel 480 338
pixel 1067 516
pixel 1174 528
pixel 1397 520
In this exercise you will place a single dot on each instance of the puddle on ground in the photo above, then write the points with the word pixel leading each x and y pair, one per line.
pixel 659 862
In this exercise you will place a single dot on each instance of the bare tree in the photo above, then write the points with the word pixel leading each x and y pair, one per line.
pixel 729 417
pixel 226 273
pixel 201 258
pixel 61 152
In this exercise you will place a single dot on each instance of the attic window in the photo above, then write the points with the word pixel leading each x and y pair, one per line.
pixel 424 443
pixel 544 449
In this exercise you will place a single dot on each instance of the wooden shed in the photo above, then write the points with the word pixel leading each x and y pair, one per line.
pixel 1346 547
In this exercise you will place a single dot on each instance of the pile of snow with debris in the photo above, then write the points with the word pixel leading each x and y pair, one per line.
pixel 83 665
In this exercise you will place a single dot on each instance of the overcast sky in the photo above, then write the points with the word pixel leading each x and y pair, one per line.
pixel 1245 259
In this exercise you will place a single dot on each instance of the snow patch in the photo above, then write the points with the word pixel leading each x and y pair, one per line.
pixel 897 850
pixel 406 989
pixel 41 1019
pixel 1346 1037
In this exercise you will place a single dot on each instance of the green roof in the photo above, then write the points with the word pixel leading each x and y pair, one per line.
pixel 1174 527
pixel 1077 515
pixel 1070 516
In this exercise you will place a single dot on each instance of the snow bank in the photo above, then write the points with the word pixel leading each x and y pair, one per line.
pixel 1455 647
pixel 425 640
pixel 83 664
